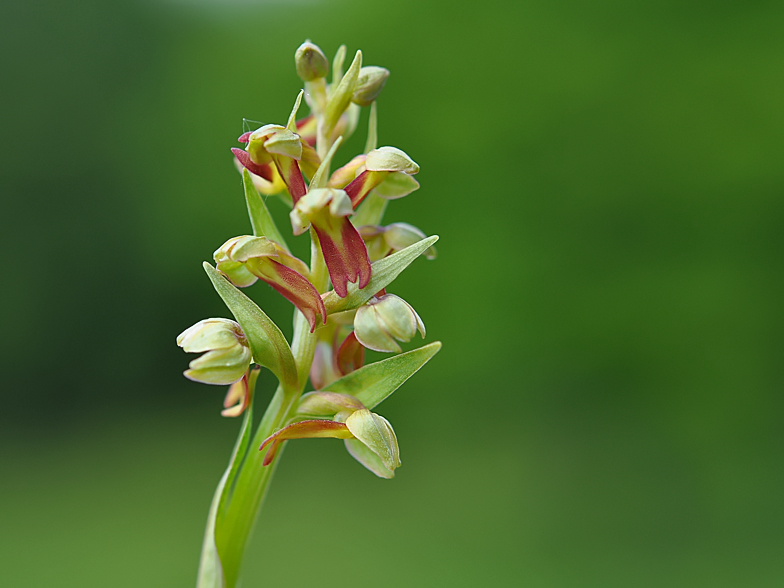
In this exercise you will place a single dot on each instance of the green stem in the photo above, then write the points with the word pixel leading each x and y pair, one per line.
pixel 234 532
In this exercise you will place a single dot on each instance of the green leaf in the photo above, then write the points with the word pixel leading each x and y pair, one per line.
pixel 373 383
pixel 210 568
pixel 269 346
pixel 260 219
pixel 383 272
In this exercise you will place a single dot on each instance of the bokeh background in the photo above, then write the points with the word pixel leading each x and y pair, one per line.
pixel 607 182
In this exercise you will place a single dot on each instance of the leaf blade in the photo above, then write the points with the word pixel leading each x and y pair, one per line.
pixel 375 382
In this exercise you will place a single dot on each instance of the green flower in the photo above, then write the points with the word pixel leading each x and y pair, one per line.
pixel 226 351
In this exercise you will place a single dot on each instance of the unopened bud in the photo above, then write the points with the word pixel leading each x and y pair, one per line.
pixel 383 320
pixel 311 62
pixel 369 84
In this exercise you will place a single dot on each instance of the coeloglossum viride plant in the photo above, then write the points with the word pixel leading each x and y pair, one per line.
pixel 341 299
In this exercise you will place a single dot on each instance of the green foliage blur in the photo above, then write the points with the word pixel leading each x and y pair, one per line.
pixel 607 179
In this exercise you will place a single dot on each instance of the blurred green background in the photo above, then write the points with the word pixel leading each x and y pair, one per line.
pixel 607 182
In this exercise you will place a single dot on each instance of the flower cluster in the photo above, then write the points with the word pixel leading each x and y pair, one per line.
pixel 343 306
pixel 295 160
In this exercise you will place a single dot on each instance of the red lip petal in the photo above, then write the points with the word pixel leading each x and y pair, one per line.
pixel 289 170
pixel 245 137
pixel 362 185
pixel 346 256
pixel 350 355
pixel 295 288
pixel 260 170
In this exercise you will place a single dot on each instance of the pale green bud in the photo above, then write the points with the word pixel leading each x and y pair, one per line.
pixel 226 351
pixel 311 62
pixel 369 84
pixel 375 432
pixel 390 159
pixel 383 320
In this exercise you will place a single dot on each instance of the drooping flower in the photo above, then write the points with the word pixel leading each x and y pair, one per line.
pixel 227 353
pixel 280 146
pixel 345 254
pixel 385 319
pixel 369 437
pixel 245 259
pixel 389 165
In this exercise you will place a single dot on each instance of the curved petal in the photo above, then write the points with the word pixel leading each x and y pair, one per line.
pixel 293 286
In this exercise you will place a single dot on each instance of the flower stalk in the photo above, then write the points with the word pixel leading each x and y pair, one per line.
pixel 341 303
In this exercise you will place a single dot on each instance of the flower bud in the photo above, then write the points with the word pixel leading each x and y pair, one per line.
pixel 369 84
pixel 227 354
pixel 311 62
pixel 383 320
